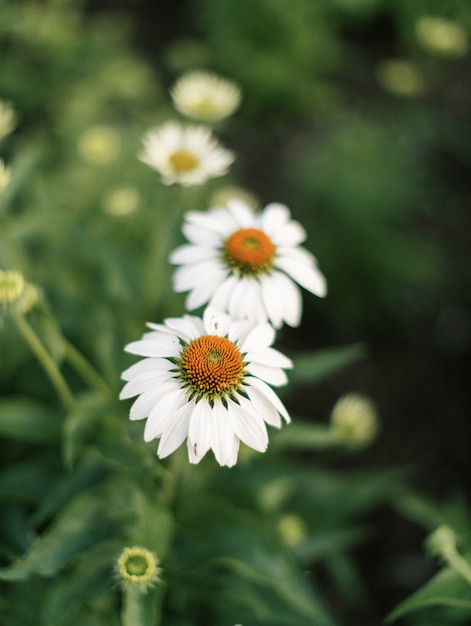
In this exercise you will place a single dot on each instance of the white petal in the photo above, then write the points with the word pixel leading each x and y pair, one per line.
pixel 143 382
pixel 201 237
pixel 272 375
pixel 147 400
pixel 163 412
pixel 184 327
pixel 270 395
pixel 176 432
pixel 215 322
pixel 274 218
pixel 187 277
pixel 242 214
pixel 225 443
pixel 270 357
pixel 187 254
pixel 146 365
pixel 273 298
pixel 262 336
pixel 292 234
pixel 264 407
pixel 308 277
pixel 218 220
pixel 203 293
pixel 165 346
pixel 221 296
pixel 240 305
pixel 200 431
pixel 247 425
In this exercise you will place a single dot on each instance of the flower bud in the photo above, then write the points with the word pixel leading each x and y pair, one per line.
pixel 137 568
pixel 354 421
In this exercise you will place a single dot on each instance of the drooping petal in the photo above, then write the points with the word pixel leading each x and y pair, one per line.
pixel 163 412
pixel 199 432
pixel 308 277
pixel 247 425
pixel 271 396
pixel 176 432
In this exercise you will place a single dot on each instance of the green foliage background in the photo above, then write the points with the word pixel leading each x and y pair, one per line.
pixel 380 180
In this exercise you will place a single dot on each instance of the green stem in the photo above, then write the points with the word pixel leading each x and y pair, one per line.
pixel 84 368
pixel 458 563
pixel 46 360
pixel 141 609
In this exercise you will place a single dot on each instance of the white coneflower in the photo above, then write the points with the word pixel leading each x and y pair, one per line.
pixel 441 36
pixel 205 97
pixel 7 119
pixel 248 264
pixel 187 155
pixel 207 381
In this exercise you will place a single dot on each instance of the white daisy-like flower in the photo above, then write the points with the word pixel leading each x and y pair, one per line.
pixel 207 381
pixel 187 155
pixel 205 96
pixel 247 264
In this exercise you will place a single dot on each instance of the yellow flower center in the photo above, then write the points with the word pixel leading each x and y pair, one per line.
pixel 212 366
pixel 183 161
pixel 250 250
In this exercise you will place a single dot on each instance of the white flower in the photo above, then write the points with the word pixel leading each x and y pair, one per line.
pixel 204 96
pixel 247 264
pixel 187 155
pixel 207 380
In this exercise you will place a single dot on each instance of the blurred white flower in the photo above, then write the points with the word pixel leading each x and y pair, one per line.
pixel 442 37
pixel 187 155
pixel 400 77
pixel 221 197
pixel 17 295
pixel 99 145
pixel 121 201
pixel 7 119
pixel 5 175
pixel 205 96
pixel 354 420
pixel 207 380
pixel 247 264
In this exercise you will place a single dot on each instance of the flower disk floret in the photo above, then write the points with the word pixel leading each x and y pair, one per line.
pixel 207 381
pixel 247 264
pixel 187 155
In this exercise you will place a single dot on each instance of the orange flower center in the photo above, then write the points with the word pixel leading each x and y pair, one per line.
pixel 183 161
pixel 212 365
pixel 250 250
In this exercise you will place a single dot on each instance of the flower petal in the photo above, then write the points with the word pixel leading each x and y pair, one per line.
pixel 308 277
pixel 262 336
pixel 247 425
pixel 163 412
pixel 272 375
pixel 176 432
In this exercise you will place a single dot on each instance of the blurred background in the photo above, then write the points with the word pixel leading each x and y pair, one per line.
pixel 357 115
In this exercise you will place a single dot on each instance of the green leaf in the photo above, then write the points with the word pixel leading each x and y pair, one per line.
pixel 28 420
pixel 447 588
pixel 89 579
pixel 312 367
pixel 79 425
pixel 26 481
pixel 92 516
